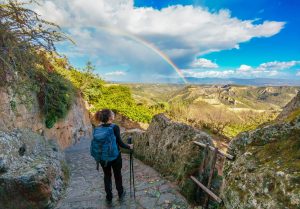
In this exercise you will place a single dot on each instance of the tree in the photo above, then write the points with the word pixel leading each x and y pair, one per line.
pixel 26 41
pixel 25 38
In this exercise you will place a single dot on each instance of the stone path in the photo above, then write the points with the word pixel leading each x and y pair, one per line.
pixel 86 186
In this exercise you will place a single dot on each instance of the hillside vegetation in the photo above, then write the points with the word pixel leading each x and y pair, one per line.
pixel 100 94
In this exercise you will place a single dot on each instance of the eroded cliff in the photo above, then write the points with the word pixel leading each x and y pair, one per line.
pixel 16 114
pixel 33 172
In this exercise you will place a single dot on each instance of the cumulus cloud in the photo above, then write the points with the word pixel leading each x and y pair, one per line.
pixel 269 69
pixel 266 69
pixel 182 32
pixel 204 63
pixel 244 68
pixel 104 29
pixel 274 66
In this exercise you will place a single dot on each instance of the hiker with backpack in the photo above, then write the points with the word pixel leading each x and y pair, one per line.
pixel 105 148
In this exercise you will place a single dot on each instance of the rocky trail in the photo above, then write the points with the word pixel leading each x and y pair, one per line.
pixel 86 186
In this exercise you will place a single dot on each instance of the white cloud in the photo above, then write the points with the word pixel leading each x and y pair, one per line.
pixel 56 15
pixel 244 68
pixel 269 69
pixel 182 32
pixel 204 63
pixel 276 65
pixel 116 73
pixel 210 73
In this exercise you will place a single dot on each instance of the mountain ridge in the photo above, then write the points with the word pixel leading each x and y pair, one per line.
pixel 224 81
pixel 244 81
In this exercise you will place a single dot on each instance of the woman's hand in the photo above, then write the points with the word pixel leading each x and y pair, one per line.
pixel 130 146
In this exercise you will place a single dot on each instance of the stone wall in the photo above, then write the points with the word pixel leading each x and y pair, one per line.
pixel 168 147
pixel 14 114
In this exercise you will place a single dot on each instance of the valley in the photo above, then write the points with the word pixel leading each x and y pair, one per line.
pixel 224 110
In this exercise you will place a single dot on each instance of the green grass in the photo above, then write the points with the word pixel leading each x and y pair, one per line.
pixel 285 151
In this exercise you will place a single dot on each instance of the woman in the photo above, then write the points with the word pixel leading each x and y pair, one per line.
pixel 106 117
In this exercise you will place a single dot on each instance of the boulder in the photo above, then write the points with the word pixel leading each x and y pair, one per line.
pixel 266 172
pixel 33 173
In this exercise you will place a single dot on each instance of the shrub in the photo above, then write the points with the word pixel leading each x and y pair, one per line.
pixel 55 96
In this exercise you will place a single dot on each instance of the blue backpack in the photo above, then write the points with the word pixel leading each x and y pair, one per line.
pixel 104 144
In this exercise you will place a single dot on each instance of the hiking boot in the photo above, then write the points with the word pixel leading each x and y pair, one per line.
pixel 108 202
pixel 122 196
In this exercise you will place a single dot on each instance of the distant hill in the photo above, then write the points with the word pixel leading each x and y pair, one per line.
pixel 224 81
pixel 227 109
pixel 248 82
pixel 233 96
pixel 152 94
pixel 230 95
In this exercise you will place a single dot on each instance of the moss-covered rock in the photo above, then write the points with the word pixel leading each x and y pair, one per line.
pixel 266 172
pixel 35 174
pixel 168 147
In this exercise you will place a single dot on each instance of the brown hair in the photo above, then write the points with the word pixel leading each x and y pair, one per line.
pixel 103 115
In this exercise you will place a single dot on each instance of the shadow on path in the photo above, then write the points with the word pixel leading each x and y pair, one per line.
pixel 86 186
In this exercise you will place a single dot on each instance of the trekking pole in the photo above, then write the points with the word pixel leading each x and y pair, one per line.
pixel 132 171
pixel 129 141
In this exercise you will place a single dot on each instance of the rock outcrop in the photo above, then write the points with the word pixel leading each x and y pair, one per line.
pixel 266 172
pixel 291 110
pixel 32 170
pixel 15 114
pixel 168 147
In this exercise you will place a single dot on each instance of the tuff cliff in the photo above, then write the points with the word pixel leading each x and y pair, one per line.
pixel 16 114
pixel 33 173
pixel 266 171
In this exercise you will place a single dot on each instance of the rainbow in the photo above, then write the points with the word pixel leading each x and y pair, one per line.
pixel 149 46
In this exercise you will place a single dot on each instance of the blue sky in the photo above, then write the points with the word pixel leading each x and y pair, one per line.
pixel 204 38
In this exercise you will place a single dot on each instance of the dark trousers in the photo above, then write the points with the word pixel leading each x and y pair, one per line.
pixel 116 165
